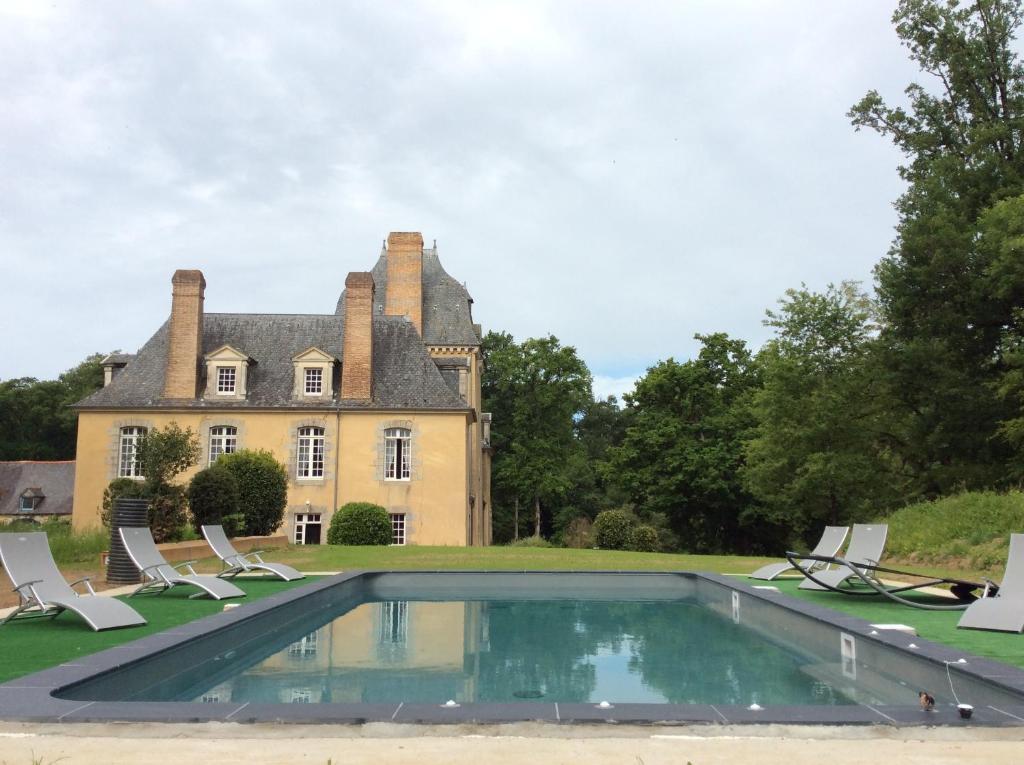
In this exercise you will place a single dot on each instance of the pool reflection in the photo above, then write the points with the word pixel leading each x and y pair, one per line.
pixel 583 651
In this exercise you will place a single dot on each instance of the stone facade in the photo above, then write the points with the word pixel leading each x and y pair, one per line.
pixel 398 369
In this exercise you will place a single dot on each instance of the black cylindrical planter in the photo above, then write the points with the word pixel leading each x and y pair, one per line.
pixel 129 513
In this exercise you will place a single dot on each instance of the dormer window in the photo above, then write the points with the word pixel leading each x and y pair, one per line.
pixel 227 372
pixel 314 381
pixel 314 374
pixel 29 501
pixel 226 380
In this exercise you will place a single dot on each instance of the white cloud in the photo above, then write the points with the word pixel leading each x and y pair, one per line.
pixel 621 176
pixel 605 386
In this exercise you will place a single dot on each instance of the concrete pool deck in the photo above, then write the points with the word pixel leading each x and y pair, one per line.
pixel 234 744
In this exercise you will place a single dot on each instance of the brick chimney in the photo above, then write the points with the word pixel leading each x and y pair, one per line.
pixel 357 355
pixel 186 335
pixel 405 277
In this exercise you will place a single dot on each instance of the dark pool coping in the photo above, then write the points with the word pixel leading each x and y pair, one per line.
pixel 33 698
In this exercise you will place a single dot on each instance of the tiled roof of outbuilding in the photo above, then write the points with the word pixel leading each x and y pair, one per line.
pixel 403 374
pixel 55 481
pixel 447 318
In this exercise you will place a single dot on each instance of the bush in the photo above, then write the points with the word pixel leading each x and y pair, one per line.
pixel 531 542
pixel 212 494
pixel 612 529
pixel 234 524
pixel 579 533
pixel 262 488
pixel 360 523
pixel 643 539
pixel 167 516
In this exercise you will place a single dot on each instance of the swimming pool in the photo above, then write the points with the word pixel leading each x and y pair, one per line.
pixel 489 647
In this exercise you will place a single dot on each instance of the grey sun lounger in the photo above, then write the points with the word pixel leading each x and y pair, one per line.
pixel 832 539
pixel 44 592
pixel 867 542
pixel 237 562
pixel 1003 612
pixel 161 575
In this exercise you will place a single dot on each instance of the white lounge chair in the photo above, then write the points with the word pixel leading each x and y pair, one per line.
pixel 44 592
pixel 161 575
pixel 237 562
pixel 1004 611
pixel 867 542
pixel 832 539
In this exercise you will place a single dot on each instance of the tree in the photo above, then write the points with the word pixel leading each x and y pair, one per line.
pixel 163 454
pixel 262 488
pixel 816 456
pixel 942 347
pixel 683 446
pixel 37 421
pixel 535 390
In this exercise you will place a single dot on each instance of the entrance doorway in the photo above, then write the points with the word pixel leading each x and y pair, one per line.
pixel 307 528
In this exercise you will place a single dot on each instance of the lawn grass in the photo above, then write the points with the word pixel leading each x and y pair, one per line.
pixel 938 626
pixel 30 645
pixel 338 558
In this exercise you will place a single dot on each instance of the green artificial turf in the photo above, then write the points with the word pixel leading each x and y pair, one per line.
pixel 29 645
pixel 938 626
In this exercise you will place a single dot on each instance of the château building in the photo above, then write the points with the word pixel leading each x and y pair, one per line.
pixel 378 401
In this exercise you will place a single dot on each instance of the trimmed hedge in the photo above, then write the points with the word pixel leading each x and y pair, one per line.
pixel 643 539
pixel 612 529
pixel 360 523
pixel 213 494
pixel 262 488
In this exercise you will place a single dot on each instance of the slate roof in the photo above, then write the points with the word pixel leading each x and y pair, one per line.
pixel 447 315
pixel 404 376
pixel 54 480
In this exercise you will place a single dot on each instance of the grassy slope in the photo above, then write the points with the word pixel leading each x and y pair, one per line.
pixel 966 533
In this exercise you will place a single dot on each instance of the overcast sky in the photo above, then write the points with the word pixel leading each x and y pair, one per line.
pixel 621 175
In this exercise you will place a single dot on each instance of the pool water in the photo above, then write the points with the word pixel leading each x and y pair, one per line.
pixel 655 651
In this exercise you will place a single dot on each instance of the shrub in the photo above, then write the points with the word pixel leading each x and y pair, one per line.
pixel 612 528
pixel 262 488
pixel 234 524
pixel 212 494
pixel 579 533
pixel 167 516
pixel 643 539
pixel 531 542
pixel 360 523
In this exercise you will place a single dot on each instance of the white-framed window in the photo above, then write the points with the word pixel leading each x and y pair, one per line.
pixel 127 459
pixel 27 504
pixel 226 380
pixel 306 647
pixel 309 453
pixel 223 440
pixel 398 528
pixel 397 454
pixel 313 381
pixel 394 622
pixel 307 528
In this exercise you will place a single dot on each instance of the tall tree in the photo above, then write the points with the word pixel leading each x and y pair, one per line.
pixel 943 329
pixel 535 390
pixel 36 418
pixel 817 455
pixel 683 446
